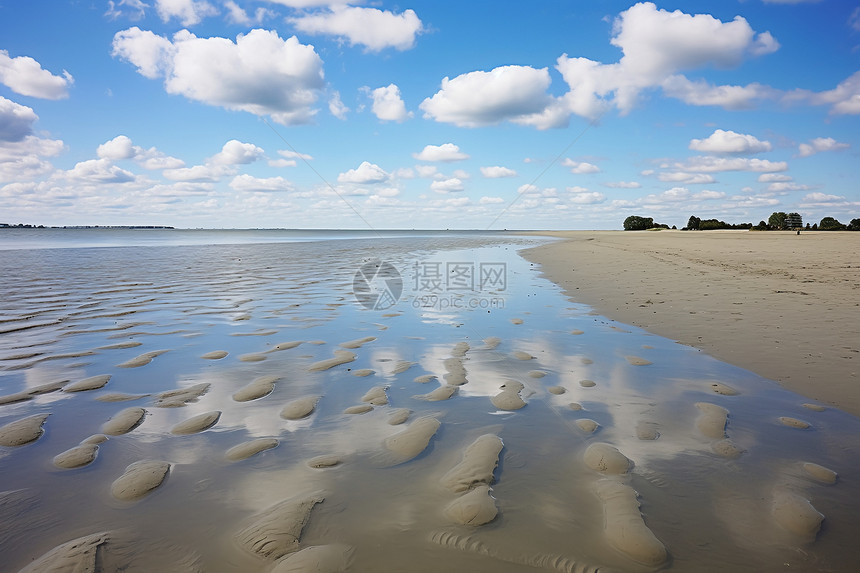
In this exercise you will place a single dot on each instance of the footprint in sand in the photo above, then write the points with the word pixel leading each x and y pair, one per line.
pixel 23 431
pixel 624 527
pixel 300 408
pixel 196 423
pixel 259 387
pixel 245 450
pixel 124 421
pixel 81 455
pixel 139 479
pixel 276 531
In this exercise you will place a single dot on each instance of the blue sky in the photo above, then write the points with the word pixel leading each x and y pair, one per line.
pixel 321 114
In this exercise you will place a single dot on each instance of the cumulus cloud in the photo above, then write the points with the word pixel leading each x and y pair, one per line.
pixel 684 177
pixel 16 120
pixel 702 93
pixel 369 27
pixel 729 142
pixel 820 144
pixel 388 105
pixel 513 93
pixel 121 147
pixel 259 73
pixel 447 185
pixel 235 152
pixel 707 195
pixel 623 184
pixel 580 167
pixel 237 15
pixel 711 164
pixel 245 182
pixel 336 106
pixel 444 152
pixel 844 99
pixel 97 171
pixel 497 171
pixel 365 173
pixel 25 76
pixel 657 45
pixel 771 177
pixel 188 12
pixel 491 200
pixel 586 197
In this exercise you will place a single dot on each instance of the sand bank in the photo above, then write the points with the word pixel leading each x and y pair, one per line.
pixel 778 304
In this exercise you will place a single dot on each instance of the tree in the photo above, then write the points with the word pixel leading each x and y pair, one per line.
pixel 693 223
pixel 854 225
pixel 830 224
pixel 794 221
pixel 777 221
pixel 637 223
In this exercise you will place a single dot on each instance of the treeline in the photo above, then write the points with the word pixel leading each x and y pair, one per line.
pixel 778 221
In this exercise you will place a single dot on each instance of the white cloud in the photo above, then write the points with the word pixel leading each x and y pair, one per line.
pixel 497 171
pixel 237 15
pixel 388 105
pixel 580 167
pixel 235 152
pixel 529 188
pixel 701 93
pixel 260 73
pixel 25 76
pixel 707 195
pixel 372 28
pixel 710 164
pixel 136 9
pixel 491 200
pixel 623 184
pixel 245 182
pixel 447 186
pixel 485 98
pixel 729 142
pixel 784 187
pixel 16 120
pixel 199 173
pixel 771 177
pixel 444 152
pixel 428 172
pixel 97 171
pixel 188 12
pixel 365 173
pixel 23 159
pixel 121 147
pixel 587 198
pixel 819 197
pixel 656 45
pixel 290 154
pixel 336 106
pixel 844 99
pixel 820 144
pixel 684 177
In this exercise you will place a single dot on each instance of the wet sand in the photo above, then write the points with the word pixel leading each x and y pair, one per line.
pixel 782 305
pixel 534 435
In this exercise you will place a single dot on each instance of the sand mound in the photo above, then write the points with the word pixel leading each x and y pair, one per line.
pixel 258 388
pixel 286 345
pixel 317 559
pixel 357 343
pixel 478 463
pixel 587 383
pixel 402 366
pixel 276 531
pixel 637 361
pixel 182 396
pixel 815 407
pixel 439 394
pixel 455 372
pixel 820 473
pixel 492 342
pixel 22 431
pixel 796 515
pixel 376 396
pixel 536 373
pixel 587 425
pixel 794 423
pixel 624 527
pixel 359 409
pixel 124 421
pixel 77 556
pixel 252 357
pixel 516 321
pixel 79 456
pixel 557 390
pixel 606 459
pixel 197 423
pixel 398 416
pixel 424 379
pixel 215 355
pixel 414 439
pixel 723 389
pixel 340 357
pixel 324 461
pixel 139 479
pixel 362 372
pixel 300 408
pixel 647 430
pixel 120 397
pixel 712 420
pixel 141 360
pixel 247 449
pixel 474 508
pixel 460 349
pixel 91 383
pixel 521 355
pixel 509 398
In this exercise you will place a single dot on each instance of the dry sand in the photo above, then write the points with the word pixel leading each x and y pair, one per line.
pixel 778 304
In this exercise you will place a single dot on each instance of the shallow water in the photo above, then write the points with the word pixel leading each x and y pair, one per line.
pixel 61 308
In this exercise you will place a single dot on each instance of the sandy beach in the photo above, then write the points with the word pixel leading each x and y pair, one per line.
pixel 782 305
